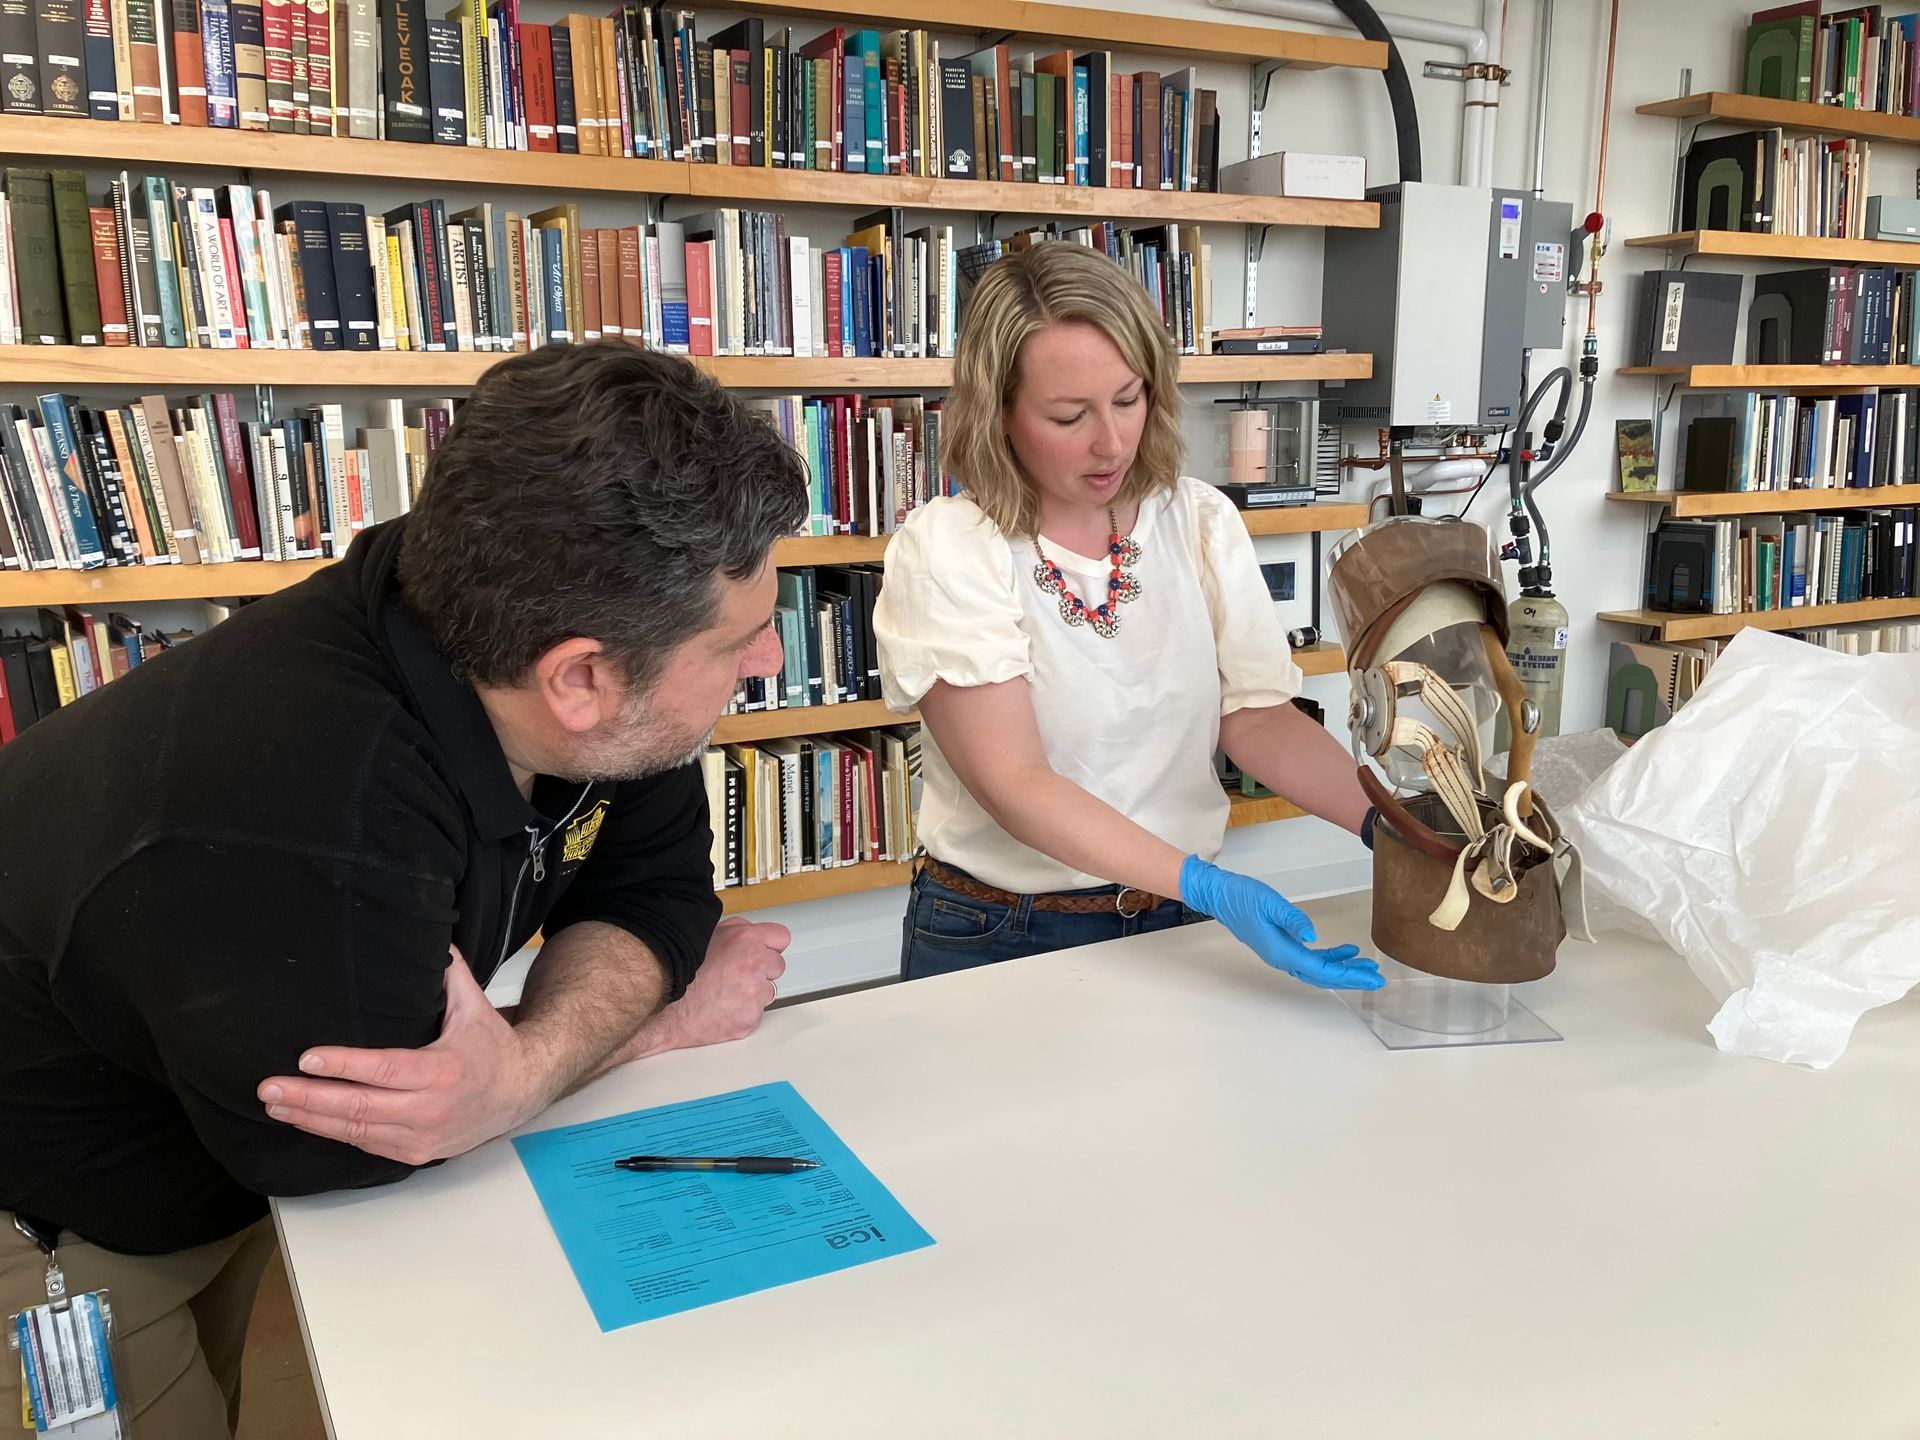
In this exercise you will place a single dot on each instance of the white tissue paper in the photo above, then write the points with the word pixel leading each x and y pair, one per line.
pixel 1770 832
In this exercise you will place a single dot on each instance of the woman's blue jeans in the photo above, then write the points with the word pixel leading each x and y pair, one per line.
pixel 945 931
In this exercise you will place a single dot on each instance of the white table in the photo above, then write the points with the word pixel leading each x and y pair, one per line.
pixel 1177 1195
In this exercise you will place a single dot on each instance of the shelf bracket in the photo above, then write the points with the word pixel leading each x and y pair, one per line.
pixel 263 404
pixel 1256 247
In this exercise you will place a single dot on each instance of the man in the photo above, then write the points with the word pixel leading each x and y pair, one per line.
pixel 299 846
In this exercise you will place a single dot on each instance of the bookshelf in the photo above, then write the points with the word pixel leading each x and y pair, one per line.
pixel 152 368
pixel 1696 504
pixel 1819 250
pixel 1788 115
pixel 1671 625
pixel 1719 105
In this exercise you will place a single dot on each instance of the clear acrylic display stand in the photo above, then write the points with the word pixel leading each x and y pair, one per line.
pixel 1418 1011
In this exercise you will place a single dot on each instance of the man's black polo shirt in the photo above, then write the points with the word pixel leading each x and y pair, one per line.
pixel 267 840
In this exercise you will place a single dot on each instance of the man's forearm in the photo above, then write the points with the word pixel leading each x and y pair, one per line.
pixel 589 995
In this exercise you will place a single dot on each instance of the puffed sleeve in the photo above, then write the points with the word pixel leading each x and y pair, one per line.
pixel 1256 665
pixel 947 608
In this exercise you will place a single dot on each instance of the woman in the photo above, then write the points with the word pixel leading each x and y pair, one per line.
pixel 1080 630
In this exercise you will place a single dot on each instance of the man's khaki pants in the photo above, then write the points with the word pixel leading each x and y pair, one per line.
pixel 180 1322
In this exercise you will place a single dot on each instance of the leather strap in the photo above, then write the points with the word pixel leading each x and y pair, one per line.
pixel 1125 901
pixel 1408 828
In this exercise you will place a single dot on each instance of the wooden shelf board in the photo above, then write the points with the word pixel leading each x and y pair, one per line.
pixel 1091 27
pixel 339 159
pixel 816 885
pixel 1788 115
pixel 1222 369
pixel 1738 244
pixel 1258 810
pixel 1782 377
pixel 727 184
pixel 829 549
pixel 155 368
pixel 1684 503
pixel 1321 659
pixel 1797 617
pixel 126 585
pixel 806 720
pixel 1303 519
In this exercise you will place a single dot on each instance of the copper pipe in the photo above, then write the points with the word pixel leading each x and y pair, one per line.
pixel 1600 183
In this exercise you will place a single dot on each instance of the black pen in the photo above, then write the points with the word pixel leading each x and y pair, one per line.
pixel 744 1164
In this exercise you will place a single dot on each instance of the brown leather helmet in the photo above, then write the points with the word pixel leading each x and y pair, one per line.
pixel 1377 570
pixel 1444 900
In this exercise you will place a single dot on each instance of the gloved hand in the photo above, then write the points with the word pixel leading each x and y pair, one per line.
pixel 1263 919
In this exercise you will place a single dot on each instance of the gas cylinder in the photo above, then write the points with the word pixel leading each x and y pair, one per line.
pixel 1537 647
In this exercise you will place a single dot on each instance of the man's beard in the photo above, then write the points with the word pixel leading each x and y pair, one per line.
pixel 637 744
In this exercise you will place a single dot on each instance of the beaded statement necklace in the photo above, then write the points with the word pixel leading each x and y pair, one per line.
pixel 1122 586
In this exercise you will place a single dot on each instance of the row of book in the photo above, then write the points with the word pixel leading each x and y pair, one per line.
pixel 1776 562
pixel 72 652
pixel 1752 441
pixel 162 264
pixel 1857 57
pixel 1649 680
pixel 1771 182
pixel 153 483
pixel 811 802
pixel 1172 262
pixel 640 82
pixel 871 459
pixel 1887 637
pixel 824 618
pixel 1835 315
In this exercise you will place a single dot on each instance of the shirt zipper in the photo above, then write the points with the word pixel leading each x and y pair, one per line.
pixel 536 857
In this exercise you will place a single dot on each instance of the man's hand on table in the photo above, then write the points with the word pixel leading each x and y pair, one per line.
pixel 730 991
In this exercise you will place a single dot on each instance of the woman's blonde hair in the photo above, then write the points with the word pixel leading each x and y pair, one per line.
pixel 1054 283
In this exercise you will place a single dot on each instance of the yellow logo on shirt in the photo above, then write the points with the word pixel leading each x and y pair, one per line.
pixel 583 832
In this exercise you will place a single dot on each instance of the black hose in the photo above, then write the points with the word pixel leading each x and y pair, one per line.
pixel 1559 375
pixel 1546 473
pixel 1406 121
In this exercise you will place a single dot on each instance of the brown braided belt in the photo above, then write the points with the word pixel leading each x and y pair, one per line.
pixel 1126 901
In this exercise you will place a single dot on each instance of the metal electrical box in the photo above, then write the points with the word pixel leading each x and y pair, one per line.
pixel 1413 295
pixel 1526 294
pixel 1445 295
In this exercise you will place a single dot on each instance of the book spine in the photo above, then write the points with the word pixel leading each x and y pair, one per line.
pixel 75 238
pixel 97 57
pixel 66 477
pixel 250 62
pixel 566 128
pixel 403 69
pixel 60 41
pixel 109 277
pixel 216 51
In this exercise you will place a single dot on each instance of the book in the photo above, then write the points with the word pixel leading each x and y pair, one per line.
pixel 1779 52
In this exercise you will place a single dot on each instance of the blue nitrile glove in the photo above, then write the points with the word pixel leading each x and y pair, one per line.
pixel 1268 924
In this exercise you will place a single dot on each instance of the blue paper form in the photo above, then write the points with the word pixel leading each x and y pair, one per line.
pixel 646 1245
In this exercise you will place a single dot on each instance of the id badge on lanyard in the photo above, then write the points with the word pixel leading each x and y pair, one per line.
pixel 66 1359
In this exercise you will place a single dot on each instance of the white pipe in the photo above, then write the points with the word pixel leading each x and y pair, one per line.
pixel 1477 46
